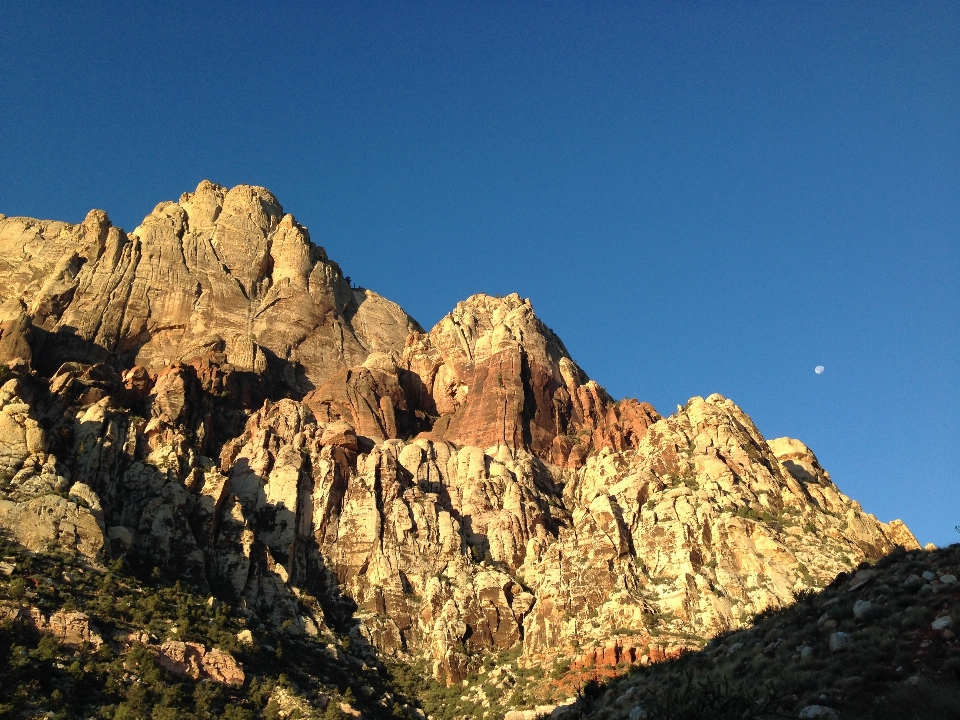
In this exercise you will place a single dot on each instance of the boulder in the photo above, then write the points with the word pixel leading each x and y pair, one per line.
pixel 942 623
pixel 192 660
pixel 818 711
pixel 839 641
pixel 72 629
pixel 861 608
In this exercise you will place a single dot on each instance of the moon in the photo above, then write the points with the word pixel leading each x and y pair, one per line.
pixel 819 369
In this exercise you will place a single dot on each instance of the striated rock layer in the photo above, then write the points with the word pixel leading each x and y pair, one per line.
pixel 209 396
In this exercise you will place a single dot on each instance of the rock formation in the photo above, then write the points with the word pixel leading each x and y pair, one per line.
pixel 219 270
pixel 72 629
pixel 209 396
pixel 194 661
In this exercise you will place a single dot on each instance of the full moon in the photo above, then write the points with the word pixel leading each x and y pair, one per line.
pixel 819 369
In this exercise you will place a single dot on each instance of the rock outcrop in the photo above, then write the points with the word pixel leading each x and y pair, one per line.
pixel 496 375
pixel 70 628
pixel 219 267
pixel 192 660
pixel 38 506
pixel 209 396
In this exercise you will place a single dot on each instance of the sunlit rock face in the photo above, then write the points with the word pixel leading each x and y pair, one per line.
pixel 496 375
pixel 208 395
pixel 224 269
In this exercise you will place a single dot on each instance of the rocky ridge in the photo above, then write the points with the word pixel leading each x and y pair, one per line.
pixel 208 395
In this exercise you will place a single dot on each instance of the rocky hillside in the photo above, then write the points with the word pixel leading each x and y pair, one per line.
pixel 82 641
pixel 880 642
pixel 209 396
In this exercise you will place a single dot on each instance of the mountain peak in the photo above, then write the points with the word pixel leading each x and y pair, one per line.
pixel 218 402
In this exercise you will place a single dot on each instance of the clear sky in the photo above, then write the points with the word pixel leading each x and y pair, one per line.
pixel 698 198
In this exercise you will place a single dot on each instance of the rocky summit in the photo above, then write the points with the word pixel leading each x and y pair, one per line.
pixel 209 398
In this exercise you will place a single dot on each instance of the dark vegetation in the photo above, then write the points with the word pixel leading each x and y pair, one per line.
pixel 896 666
pixel 121 680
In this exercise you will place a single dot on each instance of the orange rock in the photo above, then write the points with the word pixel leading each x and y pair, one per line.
pixel 220 666
pixel 181 658
pixel 192 660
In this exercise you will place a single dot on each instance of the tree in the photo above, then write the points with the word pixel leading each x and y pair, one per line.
pixel 16 590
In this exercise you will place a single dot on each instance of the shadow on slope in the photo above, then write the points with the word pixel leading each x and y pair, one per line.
pixel 877 643
pixel 43 676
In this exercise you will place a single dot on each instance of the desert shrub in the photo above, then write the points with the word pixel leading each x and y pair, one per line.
pixel 691 699
pixel 905 702
pixel 914 617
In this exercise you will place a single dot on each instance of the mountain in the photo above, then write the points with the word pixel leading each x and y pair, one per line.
pixel 208 399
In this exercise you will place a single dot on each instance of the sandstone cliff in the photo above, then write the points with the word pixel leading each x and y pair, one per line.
pixel 208 395
pixel 218 270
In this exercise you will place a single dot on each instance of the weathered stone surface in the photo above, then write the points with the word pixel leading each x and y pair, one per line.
pixel 210 394
pixel 182 659
pixel 49 522
pixel 71 629
pixel 16 331
pixel 220 666
pixel 369 397
pixel 192 660
pixel 496 375
pixel 228 261
pixel 291 705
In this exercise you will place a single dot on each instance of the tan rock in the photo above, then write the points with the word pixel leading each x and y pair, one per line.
pixel 73 629
pixel 225 259
pixel 50 521
pixel 291 705
pixel 900 534
pixel 16 331
pixel 193 661
pixel 224 401
pixel 220 666
pixel 181 659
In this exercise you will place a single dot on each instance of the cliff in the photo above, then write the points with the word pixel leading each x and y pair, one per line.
pixel 209 396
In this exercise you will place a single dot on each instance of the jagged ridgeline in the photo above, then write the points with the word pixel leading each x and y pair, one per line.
pixel 208 395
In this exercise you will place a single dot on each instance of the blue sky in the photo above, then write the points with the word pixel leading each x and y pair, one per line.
pixel 698 198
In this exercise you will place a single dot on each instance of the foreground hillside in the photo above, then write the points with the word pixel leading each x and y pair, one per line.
pixel 877 643
pixel 208 400
pixel 82 641
pixel 78 641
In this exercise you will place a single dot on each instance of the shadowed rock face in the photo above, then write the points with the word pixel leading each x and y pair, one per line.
pixel 208 395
